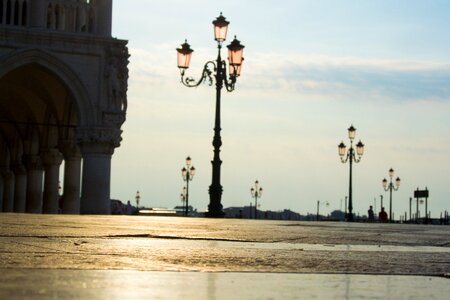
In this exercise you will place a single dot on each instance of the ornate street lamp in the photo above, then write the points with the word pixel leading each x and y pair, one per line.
pixel 256 192
pixel 326 203
pixel 389 186
pixel 350 157
pixel 138 199
pixel 218 70
pixel 187 173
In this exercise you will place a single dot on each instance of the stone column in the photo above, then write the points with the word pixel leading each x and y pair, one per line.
pixel 34 184
pixel 1 192
pixel 52 160
pixel 20 189
pixel 72 173
pixel 8 190
pixel 38 15
pixel 103 14
pixel 96 183
pixel 97 146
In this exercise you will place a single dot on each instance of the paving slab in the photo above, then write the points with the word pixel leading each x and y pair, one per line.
pixel 50 256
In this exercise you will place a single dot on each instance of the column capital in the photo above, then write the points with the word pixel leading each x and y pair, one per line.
pixel 69 149
pixel 51 157
pixel 33 162
pixel 98 139
pixel 18 168
pixel 7 174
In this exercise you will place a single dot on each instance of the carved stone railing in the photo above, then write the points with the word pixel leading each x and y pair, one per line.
pixel 70 15
pixel 75 16
pixel 14 12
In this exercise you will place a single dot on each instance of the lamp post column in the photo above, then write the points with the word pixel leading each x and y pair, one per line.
pixel 350 186
pixel 390 201
pixel 215 208
pixel 410 216
pixel 186 208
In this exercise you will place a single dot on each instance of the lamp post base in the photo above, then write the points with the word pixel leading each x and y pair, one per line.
pixel 216 214
pixel 349 217
pixel 215 208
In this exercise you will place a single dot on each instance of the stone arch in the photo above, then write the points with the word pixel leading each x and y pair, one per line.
pixel 38 89
pixel 63 72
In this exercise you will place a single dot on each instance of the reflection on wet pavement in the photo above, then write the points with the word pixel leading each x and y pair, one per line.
pixel 129 257
pixel 76 284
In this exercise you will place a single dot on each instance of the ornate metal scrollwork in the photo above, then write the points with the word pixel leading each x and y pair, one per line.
pixel 207 76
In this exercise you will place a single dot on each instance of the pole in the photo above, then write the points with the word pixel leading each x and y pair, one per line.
pixel 216 189
pixel 417 209
pixel 250 211
pixel 390 200
pixel 381 198
pixel 187 194
pixel 426 210
pixel 375 204
pixel 256 205
pixel 350 204
pixel 345 213
pixel 410 216
pixel 318 203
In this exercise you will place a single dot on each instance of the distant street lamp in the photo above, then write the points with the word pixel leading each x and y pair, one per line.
pixel 219 67
pixel 390 187
pixel 187 173
pixel 351 157
pixel 256 192
pixel 326 203
pixel 138 199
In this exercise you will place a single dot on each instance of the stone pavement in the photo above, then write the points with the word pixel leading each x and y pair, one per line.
pixel 140 257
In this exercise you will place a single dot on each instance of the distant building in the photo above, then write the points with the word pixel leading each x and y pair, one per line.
pixel 63 97
pixel 247 212
pixel 180 210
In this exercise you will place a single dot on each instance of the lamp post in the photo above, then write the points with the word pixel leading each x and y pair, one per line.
pixel 256 193
pixel 390 187
pixel 138 199
pixel 318 205
pixel 351 157
pixel 183 199
pixel 218 70
pixel 187 173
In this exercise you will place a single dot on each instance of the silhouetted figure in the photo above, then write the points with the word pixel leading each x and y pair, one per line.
pixel 382 216
pixel 371 215
pixel 129 209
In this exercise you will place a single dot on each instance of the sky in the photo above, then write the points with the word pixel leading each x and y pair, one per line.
pixel 311 69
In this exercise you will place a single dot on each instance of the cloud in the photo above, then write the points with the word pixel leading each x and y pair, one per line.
pixel 349 77
pixel 316 76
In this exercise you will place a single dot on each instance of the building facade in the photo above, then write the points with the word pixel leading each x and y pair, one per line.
pixel 63 100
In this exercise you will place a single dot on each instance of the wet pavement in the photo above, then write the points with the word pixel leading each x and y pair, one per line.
pixel 137 257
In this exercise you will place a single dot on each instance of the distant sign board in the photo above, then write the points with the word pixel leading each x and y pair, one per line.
pixel 421 194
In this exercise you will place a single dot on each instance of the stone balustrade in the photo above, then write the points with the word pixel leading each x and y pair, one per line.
pixel 75 16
